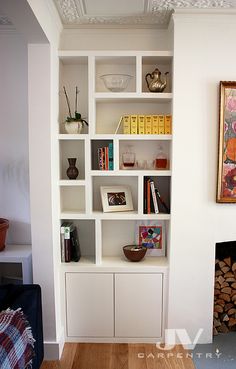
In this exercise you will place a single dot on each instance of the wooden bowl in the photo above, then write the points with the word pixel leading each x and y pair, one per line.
pixel 134 252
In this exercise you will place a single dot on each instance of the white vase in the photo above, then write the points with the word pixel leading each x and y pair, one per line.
pixel 73 127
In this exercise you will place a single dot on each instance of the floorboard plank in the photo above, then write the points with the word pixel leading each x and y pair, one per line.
pixel 120 356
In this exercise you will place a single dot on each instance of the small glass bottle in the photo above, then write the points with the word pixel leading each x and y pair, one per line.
pixel 128 158
pixel 161 159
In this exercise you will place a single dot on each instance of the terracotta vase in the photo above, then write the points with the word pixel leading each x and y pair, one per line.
pixel 4 225
pixel 72 172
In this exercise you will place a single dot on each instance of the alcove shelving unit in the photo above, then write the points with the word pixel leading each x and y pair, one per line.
pixel 102 290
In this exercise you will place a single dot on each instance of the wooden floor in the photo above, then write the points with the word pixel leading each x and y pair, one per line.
pixel 120 356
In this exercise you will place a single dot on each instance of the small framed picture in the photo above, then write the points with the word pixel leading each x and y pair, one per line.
pixel 151 234
pixel 116 198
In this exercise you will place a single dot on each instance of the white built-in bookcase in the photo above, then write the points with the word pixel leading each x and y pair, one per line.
pixel 102 235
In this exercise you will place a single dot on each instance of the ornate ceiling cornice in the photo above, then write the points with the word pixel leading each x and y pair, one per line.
pixel 156 12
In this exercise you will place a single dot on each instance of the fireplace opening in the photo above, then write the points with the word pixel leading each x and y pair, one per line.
pixel 225 288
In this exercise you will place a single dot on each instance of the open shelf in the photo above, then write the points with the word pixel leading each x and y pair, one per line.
pixel 72 149
pixel 119 233
pixel 86 235
pixel 102 151
pixel 109 113
pixel 72 199
pixel 163 63
pixel 109 181
pixel 73 72
pixel 145 154
pixel 115 65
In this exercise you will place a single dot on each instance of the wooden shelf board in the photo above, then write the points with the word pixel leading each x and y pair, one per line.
pixel 85 261
pixel 72 182
pixel 67 136
pixel 123 215
pixel 131 172
pixel 128 97
pixel 118 264
pixel 110 136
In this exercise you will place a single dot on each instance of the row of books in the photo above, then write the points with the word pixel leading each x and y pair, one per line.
pixel 147 124
pixel 105 157
pixel 70 247
pixel 152 199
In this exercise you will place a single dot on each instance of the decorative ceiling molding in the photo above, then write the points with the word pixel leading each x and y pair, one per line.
pixel 157 12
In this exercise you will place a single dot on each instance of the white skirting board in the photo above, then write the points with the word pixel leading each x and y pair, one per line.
pixel 53 350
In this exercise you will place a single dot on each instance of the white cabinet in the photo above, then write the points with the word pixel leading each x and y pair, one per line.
pixel 138 305
pixel 133 304
pixel 89 305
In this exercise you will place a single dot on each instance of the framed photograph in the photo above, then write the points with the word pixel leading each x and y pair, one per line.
pixel 116 198
pixel 226 186
pixel 151 234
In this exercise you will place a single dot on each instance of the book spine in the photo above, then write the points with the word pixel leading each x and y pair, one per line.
pixel 126 124
pixel 103 159
pixel 134 124
pixel 148 124
pixel 154 198
pixel 106 158
pixel 100 165
pixel 67 244
pixel 75 246
pixel 168 124
pixel 148 197
pixel 161 130
pixel 145 195
pixel 110 155
pixel 62 244
pixel 141 124
pixel 155 124
pixel 162 201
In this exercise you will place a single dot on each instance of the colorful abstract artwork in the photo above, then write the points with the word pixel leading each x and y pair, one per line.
pixel 151 235
pixel 226 191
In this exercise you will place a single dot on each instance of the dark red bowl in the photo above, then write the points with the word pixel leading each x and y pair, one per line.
pixel 134 252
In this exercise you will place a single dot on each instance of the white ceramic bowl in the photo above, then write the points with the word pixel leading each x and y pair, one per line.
pixel 116 82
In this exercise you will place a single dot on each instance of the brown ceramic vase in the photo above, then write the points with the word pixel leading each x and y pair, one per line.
pixel 72 172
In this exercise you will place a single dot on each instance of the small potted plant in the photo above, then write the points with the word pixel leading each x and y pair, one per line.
pixel 73 124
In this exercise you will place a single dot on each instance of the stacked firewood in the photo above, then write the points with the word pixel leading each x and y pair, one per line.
pixel 225 296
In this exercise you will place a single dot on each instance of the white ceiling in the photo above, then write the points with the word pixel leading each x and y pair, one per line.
pixel 77 13
pixel 80 13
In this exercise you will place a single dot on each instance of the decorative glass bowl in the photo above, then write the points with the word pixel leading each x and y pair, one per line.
pixel 116 82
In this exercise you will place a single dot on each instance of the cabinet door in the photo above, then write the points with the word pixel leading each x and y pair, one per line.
pixel 89 305
pixel 138 305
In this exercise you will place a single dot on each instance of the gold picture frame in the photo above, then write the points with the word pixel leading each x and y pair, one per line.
pixel 226 185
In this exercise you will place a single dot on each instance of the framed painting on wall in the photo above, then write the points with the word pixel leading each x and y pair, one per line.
pixel 226 186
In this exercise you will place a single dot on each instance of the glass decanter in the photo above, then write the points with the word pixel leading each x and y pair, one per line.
pixel 128 158
pixel 161 159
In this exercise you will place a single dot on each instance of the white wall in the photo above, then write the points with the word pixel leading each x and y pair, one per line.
pixel 39 25
pixel 14 156
pixel 115 39
pixel 43 116
pixel 204 54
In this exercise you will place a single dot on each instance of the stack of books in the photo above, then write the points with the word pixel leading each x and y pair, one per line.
pixel 105 157
pixel 152 200
pixel 70 247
